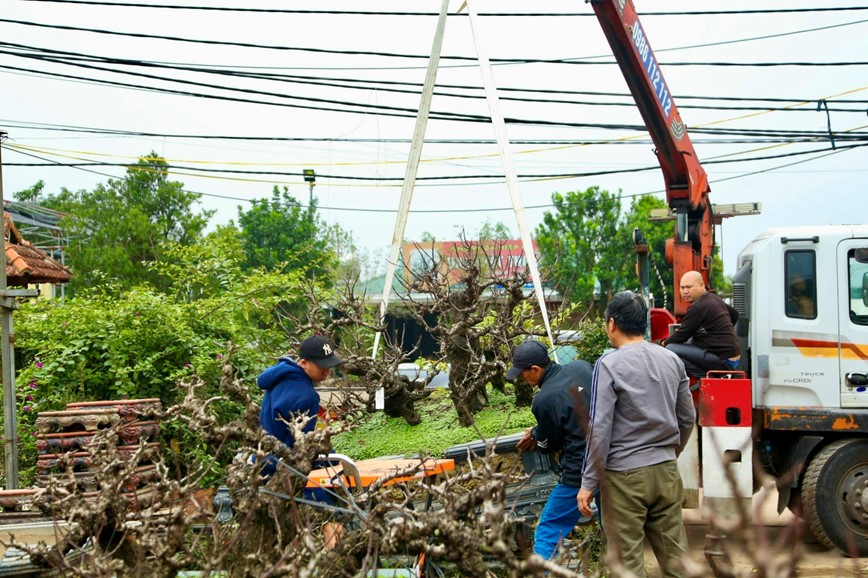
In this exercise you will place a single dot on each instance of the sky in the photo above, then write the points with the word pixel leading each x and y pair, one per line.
pixel 349 65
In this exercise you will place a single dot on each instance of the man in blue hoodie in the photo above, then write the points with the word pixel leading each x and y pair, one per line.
pixel 289 390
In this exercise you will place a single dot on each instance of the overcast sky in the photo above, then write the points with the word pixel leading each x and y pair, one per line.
pixel 359 156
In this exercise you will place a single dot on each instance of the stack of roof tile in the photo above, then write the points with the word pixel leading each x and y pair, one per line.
pixel 70 432
pixel 64 437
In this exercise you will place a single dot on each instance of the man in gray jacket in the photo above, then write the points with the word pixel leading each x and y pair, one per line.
pixel 641 417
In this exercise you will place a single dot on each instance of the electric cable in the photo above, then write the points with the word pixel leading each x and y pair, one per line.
pixel 498 209
pixel 400 112
pixel 782 139
pixel 293 80
pixel 379 179
pixel 434 14
pixel 473 59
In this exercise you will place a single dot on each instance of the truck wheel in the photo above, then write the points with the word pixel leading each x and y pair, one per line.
pixel 835 496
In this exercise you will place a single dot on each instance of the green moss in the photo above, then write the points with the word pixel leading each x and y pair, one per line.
pixel 380 435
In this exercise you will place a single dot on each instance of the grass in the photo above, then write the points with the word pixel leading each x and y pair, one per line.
pixel 380 435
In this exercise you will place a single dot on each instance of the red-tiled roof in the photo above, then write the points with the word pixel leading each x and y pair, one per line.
pixel 26 264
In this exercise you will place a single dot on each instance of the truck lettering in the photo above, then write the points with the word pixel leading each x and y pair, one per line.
pixel 658 84
pixel 640 42
pixel 654 75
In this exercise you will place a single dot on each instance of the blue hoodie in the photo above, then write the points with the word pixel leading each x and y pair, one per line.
pixel 288 392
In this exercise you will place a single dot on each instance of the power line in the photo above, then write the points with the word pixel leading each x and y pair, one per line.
pixel 436 141
pixel 660 50
pixel 434 14
pixel 380 179
pixel 214 195
pixel 49 56
pixel 681 97
pixel 473 59
pixel 487 209
pixel 382 110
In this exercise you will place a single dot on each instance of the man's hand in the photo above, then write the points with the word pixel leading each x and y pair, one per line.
pixel 526 443
pixel 584 499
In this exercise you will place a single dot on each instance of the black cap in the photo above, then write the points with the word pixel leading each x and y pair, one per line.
pixel 525 355
pixel 320 351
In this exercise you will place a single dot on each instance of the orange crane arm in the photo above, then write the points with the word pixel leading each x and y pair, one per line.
pixel 685 180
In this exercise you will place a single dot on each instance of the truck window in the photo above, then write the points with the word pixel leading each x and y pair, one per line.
pixel 800 289
pixel 857 266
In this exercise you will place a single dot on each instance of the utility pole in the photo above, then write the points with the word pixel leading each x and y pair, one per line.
pixel 7 354
pixel 10 419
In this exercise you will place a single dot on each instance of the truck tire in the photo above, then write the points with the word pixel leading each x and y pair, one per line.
pixel 835 496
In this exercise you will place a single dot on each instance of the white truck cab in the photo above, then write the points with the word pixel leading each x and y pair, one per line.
pixel 807 314
pixel 802 297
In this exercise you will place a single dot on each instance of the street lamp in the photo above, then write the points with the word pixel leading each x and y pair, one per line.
pixel 309 177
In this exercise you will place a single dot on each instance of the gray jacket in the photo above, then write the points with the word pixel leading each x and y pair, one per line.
pixel 641 411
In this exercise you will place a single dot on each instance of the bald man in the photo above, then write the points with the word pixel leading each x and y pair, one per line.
pixel 706 338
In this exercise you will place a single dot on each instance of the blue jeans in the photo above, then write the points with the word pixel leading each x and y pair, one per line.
pixel 558 518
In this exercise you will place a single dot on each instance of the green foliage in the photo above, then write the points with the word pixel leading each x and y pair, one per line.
pixel 105 344
pixel 588 238
pixel 380 435
pixel 580 244
pixel 592 542
pixel 656 234
pixel 279 233
pixel 493 231
pixel 594 340
pixel 123 223
pixel 32 194
pixel 721 283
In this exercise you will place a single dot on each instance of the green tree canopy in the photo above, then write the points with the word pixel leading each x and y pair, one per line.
pixel 498 231
pixel 582 244
pixel 141 342
pixel 123 223
pixel 279 233
pixel 589 238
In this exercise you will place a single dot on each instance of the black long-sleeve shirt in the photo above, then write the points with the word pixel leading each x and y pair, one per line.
pixel 709 322
pixel 561 412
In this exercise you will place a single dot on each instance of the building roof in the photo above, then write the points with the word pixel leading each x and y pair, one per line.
pixel 26 264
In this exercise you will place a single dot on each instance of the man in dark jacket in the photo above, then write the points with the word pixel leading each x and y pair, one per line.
pixel 560 409
pixel 289 390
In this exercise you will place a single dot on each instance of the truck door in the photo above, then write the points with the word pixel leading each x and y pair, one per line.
pixel 853 321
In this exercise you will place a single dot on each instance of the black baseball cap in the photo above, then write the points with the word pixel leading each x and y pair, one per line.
pixel 320 351
pixel 525 355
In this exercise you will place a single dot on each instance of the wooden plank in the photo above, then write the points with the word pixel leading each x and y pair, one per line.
pixel 372 470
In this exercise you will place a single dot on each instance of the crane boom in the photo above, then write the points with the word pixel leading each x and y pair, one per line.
pixel 685 180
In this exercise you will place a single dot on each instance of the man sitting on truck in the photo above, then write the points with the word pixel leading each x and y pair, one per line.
pixel 706 337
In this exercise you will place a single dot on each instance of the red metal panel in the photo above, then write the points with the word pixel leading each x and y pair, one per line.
pixel 725 402
pixel 661 319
